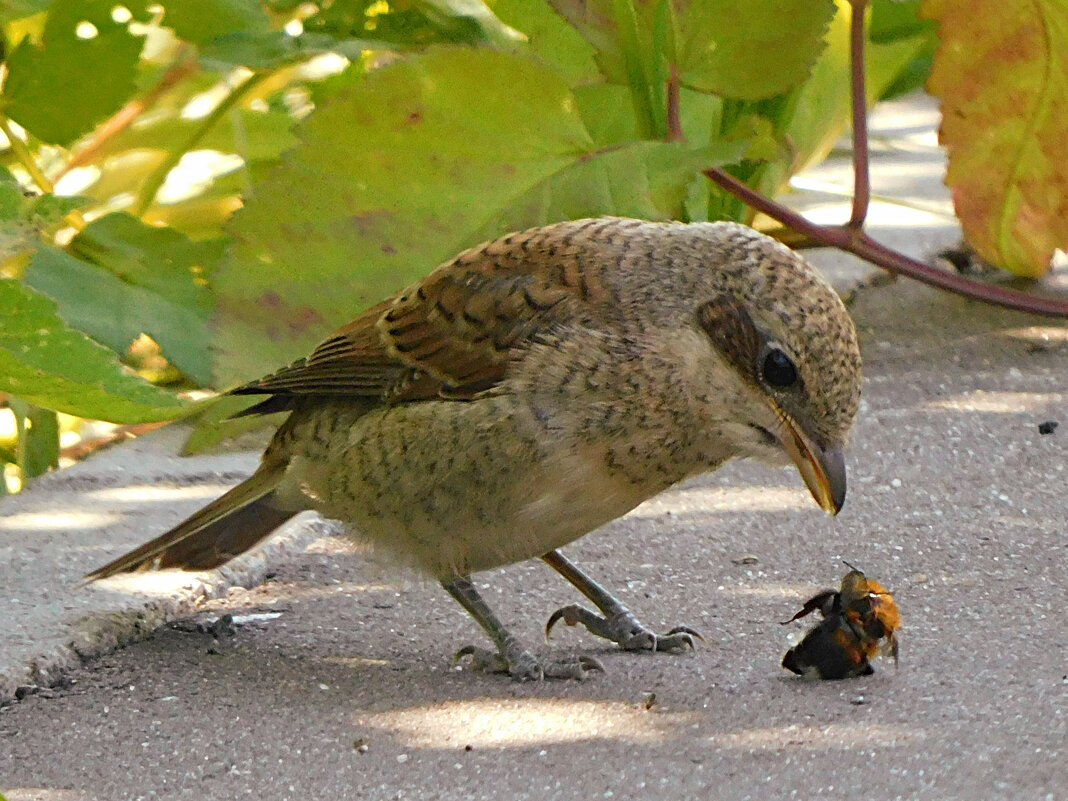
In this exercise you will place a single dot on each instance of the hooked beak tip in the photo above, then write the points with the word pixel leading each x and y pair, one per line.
pixel 823 471
pixel 832 463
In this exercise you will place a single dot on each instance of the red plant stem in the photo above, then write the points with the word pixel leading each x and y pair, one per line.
pixel 861 177
pixel 851 236
pixel 674 124
pixel 860 244
pixel 128 114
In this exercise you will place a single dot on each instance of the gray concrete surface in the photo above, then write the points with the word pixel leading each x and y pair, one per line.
pixel 336 682
pixel 74 519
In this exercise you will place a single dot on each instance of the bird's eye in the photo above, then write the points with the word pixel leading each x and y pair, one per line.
pixel 778 370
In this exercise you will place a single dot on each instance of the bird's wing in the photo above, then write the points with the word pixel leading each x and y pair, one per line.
pixel 454 333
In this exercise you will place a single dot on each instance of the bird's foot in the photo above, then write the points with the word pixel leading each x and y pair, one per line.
pixel 625 630
pixel 522 665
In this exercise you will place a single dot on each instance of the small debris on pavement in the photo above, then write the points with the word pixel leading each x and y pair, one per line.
pixel 1047 427
pixel 222 626
pixel 257 617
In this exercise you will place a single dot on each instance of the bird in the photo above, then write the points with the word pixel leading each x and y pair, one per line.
pixel 535 388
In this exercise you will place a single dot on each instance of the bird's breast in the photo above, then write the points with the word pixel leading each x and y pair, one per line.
pixel 454 488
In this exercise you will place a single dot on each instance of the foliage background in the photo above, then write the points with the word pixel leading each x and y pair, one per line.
pixel 194 192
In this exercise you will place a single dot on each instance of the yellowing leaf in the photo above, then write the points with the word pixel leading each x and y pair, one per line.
pixel 1002 75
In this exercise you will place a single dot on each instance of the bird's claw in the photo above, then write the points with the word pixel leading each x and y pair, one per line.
pixel 522 665
pixel 482 659
pixel 624 629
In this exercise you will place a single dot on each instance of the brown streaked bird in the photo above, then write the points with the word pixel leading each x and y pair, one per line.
pixel 533 389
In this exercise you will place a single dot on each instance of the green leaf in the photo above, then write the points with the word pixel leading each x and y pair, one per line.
pixel 893 21
pixel 492 28
pixel 17 234
pixel 127 278
pixel 24 217
pixel 214 422
pixel 44 362
pixel 38 438
pixel 266 49
pixel 822 110
pixel 41 443
pixel 349 27
pixel 753 49
pixel 747 49
pixel 46 210
pixel 1002 75
pixel 608 115
pixel 421 159
pixel 199 21
pixel 416 23
pixel 551 39
pixel 17 9
pixel 82 71
pixel 641 179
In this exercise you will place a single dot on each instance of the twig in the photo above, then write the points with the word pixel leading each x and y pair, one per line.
pixel 860 244
pixel 184 66
pixel 154 181
pixel 851 237
pixel 84 447
pixel 861 177
pixel 674 124
pixel 18 147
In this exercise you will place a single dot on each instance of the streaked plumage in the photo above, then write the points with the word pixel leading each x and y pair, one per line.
pixel 539 386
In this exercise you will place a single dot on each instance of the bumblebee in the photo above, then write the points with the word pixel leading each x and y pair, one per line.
pixel 860 620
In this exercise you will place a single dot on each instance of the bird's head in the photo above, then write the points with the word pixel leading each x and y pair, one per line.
pixel 792 358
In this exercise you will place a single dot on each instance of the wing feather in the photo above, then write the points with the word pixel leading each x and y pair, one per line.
pixel 454 333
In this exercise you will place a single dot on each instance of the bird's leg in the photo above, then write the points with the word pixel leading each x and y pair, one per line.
pixel 615 622
pixel 510 657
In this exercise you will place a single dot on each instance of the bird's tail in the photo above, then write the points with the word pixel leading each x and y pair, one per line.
pixel 216 534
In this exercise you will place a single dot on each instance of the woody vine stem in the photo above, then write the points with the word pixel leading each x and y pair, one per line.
pixel 851 236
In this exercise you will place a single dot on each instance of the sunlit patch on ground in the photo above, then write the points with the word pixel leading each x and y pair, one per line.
pixel 771 590
pixel 156 583
pixel 335 545
pixel 146 493
pixel 499 723
pixel 1040 335
pixel 999 402
pixel 355 661
pixel 43 794
pixel 57 521
pixel 881 214
pixel 284 591
pixel 727 499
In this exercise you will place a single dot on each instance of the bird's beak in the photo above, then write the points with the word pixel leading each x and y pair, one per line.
pixel 822 470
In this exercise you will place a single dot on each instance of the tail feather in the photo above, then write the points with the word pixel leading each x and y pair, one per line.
pixel 226 527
